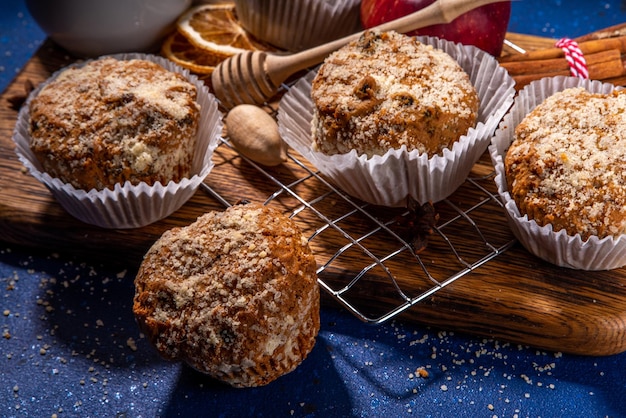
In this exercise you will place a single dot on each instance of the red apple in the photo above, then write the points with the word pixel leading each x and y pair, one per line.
pixel 484 27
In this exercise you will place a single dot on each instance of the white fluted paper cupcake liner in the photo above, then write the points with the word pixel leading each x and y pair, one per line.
pixel 299 24
pixel 389 179
pixel 128 205
pixel 554 247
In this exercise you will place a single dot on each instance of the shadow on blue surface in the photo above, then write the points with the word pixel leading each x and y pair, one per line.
pixel 307 391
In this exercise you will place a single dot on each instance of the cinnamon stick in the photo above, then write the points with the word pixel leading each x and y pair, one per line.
pixel 609 71
pixel 611 56
pixel 616 81
pixel 590 46
pixel 604 52
pixel 609 32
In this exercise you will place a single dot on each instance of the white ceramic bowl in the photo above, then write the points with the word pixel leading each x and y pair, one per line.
pixel 92 28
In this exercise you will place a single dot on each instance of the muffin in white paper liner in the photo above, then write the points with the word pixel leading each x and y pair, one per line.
pixel 295 25
pixel 557 248
pixel 390 179
pixel 128 205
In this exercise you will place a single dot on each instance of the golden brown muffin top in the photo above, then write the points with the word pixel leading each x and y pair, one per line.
pixel 386 90
pixel 113 120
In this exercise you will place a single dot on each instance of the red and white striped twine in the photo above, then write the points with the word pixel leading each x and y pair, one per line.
pixel 574 56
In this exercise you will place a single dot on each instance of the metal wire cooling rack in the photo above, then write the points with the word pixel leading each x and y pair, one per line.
pixel 365 260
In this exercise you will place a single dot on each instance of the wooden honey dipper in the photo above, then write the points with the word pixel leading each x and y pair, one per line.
pixel 253 77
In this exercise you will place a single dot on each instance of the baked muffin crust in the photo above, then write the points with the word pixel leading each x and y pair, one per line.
pixel 567 164
pixel 234 294
pixel 115 120
pixel 386 90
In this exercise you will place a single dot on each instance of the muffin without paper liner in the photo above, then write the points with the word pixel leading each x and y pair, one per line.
pixel 233 294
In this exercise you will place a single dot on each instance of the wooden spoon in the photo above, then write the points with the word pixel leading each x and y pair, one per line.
pixel 253 77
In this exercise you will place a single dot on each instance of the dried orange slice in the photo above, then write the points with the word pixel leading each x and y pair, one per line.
pixel 179 50
pixel 215 29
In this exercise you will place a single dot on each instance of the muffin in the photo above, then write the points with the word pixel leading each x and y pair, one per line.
pixel 388 90
pixel 396 175
pixel 567 163
pixel 561 170
pixel 112 121
pixel 121 141
pixel 233 294
pixel 299 24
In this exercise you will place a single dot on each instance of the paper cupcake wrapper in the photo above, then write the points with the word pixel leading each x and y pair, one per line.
pixel 128 205
pixel 389 179
pixel 555 247
pixel 295 25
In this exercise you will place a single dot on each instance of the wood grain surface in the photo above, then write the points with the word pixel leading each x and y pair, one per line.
pixel 513 297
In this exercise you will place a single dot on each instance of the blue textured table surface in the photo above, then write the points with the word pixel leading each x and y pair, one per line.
pixel 70 346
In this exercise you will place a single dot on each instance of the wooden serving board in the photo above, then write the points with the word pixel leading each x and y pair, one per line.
pixel 512 297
